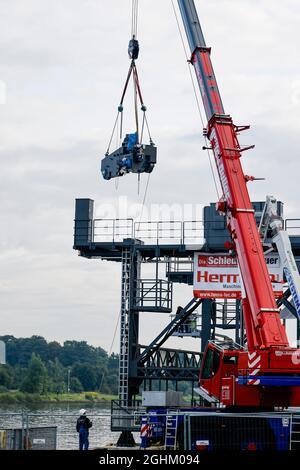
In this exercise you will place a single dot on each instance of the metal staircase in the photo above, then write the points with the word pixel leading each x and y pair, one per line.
pixel 124 326
pixel 171 431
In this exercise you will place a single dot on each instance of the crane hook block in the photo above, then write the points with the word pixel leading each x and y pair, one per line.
pixel 132 157
pixel 133 49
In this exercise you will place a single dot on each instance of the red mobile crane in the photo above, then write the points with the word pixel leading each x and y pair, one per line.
pixel 267 373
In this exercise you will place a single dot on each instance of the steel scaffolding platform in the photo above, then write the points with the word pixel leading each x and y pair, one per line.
pixel 172 244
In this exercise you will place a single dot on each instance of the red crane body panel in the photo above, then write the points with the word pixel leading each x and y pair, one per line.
pixel 268 330
pixel 267 373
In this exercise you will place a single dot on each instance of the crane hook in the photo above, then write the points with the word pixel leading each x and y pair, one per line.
pixel 133 48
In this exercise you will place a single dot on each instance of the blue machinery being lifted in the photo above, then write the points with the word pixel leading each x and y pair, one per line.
pixel 138 295
pixel 132 156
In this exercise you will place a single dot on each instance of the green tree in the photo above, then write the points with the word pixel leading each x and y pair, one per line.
pixel 86 374
pixel 6 376
pixel 55 351
pixel 19 350
pixel 79 351
pixel 97 370
pixel 110 383
pixel 36 378
pixel 75 385
pixel 57 377
pixel 19 373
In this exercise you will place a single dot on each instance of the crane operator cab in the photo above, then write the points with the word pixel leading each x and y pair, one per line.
pixel 218 371
pixel 132 157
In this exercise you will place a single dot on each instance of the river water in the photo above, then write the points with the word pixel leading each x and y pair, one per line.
pixel 64 416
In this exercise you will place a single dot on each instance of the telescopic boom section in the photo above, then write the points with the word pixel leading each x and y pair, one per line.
pixel 262 321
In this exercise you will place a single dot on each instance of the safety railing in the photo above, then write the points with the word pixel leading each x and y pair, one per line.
pixel 161 231
pixel 195 430
pixel 226 313
pixel 152 232
pixel 292 226
pixel 112 230
pixel 154 294
pixel 126 418
pixel 50 429
pixel 215 430
pixel 178 265
pixel 237 432
pixel 171 232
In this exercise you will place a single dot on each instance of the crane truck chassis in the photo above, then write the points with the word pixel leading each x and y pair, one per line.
pixel 203 429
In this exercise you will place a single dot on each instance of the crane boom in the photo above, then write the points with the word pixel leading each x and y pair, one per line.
pixel 263 325
pixel 201 60
pixel 281 239
pixel 266 372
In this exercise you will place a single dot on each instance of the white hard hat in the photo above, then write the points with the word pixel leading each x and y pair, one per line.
pixel 82 411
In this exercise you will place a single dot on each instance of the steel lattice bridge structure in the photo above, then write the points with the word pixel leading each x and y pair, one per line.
pixel 172 243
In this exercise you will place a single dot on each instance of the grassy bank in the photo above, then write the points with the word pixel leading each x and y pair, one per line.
pixel 84 397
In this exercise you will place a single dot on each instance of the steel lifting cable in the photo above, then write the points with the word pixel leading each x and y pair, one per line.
pixel 143 107
pixel 110 349
pixel 120 108
pixel 136 112
pixel 135 8
pixel 144 200
pixel 137 88
pixel 134 18
pixel 113 133
pixel 137 83
pixel 137 95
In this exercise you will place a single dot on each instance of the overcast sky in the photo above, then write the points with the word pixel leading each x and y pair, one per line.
pixel 63 65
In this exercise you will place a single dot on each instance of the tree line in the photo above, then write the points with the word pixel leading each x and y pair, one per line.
pixel 34 365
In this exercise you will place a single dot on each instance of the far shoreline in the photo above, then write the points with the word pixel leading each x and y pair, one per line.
pixel 17 397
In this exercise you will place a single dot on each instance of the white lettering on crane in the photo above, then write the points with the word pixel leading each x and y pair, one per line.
pixel 221 260
pixel 202 89
pixel 206 276
pixel 217 276
pixel 220 165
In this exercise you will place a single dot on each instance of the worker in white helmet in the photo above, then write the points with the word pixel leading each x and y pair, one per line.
pixel 82 427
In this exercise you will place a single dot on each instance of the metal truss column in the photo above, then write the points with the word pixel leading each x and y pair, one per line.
pixel 207 316
pixel 129 324
pixel 124 326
